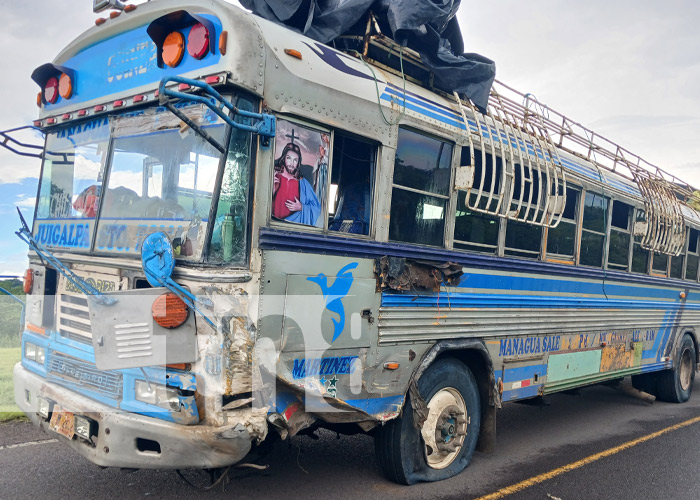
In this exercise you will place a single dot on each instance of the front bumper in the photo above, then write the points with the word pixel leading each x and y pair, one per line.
pixel 119 432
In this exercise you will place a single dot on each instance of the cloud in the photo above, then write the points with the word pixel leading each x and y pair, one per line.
pixel 24 201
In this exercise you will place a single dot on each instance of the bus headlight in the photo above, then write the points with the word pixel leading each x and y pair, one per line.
pixel 34 352
pixel 44 409
pixel 84 427
pixel 157 395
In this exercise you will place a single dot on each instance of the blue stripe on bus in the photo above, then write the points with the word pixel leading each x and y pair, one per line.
pixel 497 300
pixel 522 393
pixel 524 373
pixel 372 406
pixel 331 244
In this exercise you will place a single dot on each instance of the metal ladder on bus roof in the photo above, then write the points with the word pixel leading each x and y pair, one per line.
pixel 528 153
pixel 662 192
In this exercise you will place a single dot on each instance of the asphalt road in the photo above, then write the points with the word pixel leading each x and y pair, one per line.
pixel 567 450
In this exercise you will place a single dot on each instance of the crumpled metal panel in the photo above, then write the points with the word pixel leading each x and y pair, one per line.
pixel 426 26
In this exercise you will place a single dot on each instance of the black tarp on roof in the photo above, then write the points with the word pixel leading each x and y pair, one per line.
pixel 429 27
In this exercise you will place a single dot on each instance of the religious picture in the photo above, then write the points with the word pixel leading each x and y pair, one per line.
pixel 300 179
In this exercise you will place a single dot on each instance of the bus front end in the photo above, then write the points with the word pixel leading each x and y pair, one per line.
pixel 130 367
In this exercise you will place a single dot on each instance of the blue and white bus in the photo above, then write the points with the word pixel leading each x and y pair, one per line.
pixel 243 234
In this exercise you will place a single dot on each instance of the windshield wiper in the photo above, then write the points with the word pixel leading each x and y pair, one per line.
pixel 264 126
pixel 44 254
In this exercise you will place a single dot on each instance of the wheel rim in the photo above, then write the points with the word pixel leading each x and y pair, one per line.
pixel 445 428
pixel 686 370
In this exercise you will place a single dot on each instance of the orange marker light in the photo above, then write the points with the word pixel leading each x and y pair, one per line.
pixel 223 38
pixel 28 281
pixel 173 48
pixel 65 86
pixel 38 99
pixel 391 365
pixel 293 53
pixel 169 311
pixel 129 8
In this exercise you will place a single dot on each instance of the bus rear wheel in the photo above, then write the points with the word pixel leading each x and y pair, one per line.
pixel 446 441
pixel 675 385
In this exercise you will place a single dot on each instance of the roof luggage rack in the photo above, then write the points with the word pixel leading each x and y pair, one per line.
pixel 531 134
pixel 662 192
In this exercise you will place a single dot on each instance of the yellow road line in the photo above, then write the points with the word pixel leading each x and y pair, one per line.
pixel 514 488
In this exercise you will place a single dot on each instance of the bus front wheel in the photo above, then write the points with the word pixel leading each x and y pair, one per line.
pixel 446 441
pixel 676 384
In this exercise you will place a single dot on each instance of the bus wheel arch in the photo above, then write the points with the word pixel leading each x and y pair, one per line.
pixel 451 386
pixel 676 385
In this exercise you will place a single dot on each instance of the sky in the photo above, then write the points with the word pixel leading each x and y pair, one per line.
pixel 628 69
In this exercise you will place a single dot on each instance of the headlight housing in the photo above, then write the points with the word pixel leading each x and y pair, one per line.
pixel 34 352
pixel 157 395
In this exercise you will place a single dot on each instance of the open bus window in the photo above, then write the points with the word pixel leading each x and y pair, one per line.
pixel 300 177
pixel 620 236
pixel 162 178
pixel 421 188
pixel 595 217
pixel 693 258
pixel 476 230
pixel 350 203
pixel 229 239
pixel 561 240
pixel 71 185
pixel 659 264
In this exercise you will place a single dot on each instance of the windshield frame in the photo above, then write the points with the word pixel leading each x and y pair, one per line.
pixel 203 257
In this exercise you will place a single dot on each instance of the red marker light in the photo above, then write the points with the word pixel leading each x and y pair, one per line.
pixel 198 41
pixel 118 104
pixel 51 90
pixel 37 123
pixel 183 86
pixel 51 121
pixel 139 98
pixel 66 116
pixel 82 112
pixel 212 79
pixel 99 108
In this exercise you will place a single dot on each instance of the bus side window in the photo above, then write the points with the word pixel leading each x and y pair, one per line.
pixel 420 189
pixel 300 175
pixel 640 256
pixel 595 217
pixel 352 179
pixel 620 236
pixel 659 264
pixel 524 239
pixel 691 266
pixel 561 240
pixel 478 231
pixel 676 270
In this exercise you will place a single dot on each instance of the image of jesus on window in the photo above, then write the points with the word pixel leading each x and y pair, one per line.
pixel 295 196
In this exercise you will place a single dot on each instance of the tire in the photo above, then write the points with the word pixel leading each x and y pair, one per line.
pixel 676 385
pixel 406 455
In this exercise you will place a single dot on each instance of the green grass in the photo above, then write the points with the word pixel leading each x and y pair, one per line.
pixel 8 410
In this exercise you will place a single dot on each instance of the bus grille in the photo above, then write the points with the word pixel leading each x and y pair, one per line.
pixel 66 369
pixel 74 318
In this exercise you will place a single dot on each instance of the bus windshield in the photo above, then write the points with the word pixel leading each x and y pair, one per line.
pixel 156 175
